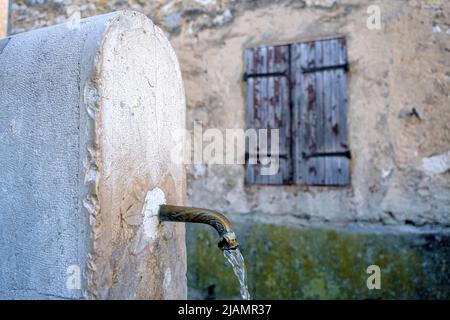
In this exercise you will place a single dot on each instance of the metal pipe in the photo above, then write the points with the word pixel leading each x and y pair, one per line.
pixel 217 220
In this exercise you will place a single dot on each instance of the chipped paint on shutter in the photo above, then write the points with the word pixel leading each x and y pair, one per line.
pixel 320 113
pixel 250 172
pixel 296 130
pixel 268 99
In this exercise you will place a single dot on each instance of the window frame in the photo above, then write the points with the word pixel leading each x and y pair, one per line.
pixel 291 108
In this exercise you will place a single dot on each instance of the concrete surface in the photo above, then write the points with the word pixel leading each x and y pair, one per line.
pixel 86 115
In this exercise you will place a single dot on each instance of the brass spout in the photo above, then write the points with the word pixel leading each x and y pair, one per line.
pixel 217 220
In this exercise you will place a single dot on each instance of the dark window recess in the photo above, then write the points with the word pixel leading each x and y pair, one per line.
pixel 301 89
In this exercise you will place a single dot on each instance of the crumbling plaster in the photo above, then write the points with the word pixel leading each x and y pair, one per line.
pixel 86 122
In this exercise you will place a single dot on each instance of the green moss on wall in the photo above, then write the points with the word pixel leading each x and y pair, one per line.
pixel 288 263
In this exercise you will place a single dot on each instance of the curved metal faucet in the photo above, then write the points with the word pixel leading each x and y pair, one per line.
pixel 217 220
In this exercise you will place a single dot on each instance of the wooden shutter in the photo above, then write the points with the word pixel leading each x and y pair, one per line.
pixel 268 99
pixel 320 109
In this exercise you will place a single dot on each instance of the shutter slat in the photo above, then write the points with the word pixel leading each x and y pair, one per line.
pixel 337 168
pixel 304 127
pixel 283 115
pixel 334 116
pixel 270 110
pixel 312 109
pixel 262 107
pixel 317 124
pixel 312 167
pixel 257 98
pixel 336 122
pixel 327 115
pixel 250 172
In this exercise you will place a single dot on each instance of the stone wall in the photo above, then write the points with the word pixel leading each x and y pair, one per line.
pixel 322 263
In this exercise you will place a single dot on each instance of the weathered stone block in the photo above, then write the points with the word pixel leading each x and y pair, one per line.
pixel 86 119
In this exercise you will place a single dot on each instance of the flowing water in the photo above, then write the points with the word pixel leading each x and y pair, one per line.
pixel 236 260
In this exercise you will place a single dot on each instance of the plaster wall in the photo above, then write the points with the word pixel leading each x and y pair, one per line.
pixel 398 100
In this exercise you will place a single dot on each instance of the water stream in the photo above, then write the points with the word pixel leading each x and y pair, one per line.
pixel 236 260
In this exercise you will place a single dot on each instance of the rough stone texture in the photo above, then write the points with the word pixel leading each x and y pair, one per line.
pixel 289 263
pixel 398 101
pixel 86 116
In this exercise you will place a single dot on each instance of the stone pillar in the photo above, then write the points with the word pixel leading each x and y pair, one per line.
pixel 87 113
